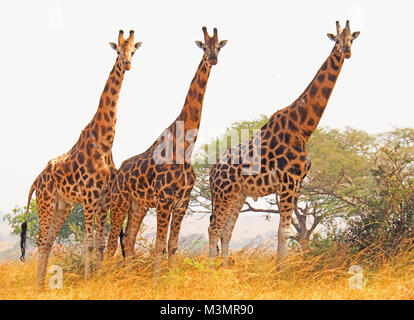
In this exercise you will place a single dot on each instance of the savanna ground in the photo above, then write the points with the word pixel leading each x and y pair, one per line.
pixel 252 276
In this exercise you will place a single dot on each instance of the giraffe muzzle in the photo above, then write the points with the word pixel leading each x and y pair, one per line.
pixel 213 61
pixel 127 65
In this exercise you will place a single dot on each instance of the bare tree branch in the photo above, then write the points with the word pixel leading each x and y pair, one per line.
pixel 250 208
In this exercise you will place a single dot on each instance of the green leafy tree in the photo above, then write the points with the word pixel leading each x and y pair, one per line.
pixel 384 222
pixel 337 182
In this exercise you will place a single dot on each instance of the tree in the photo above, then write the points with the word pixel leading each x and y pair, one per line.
pixel 384 222
pixel 338 179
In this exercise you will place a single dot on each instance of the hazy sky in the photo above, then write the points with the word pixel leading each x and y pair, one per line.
pixel 55 59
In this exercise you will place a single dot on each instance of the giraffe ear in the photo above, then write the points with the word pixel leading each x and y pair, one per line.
pixel 331 36
pixel 222 43
pixel 199 44
pixel 355 35
pixel 137 45
pixel 113 45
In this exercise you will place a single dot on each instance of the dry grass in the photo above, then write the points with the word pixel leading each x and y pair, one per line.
pixel 253 276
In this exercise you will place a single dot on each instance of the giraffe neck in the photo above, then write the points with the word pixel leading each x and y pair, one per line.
pixel 191 113
pixel 184 129
pixel 305 113
pixel 102 127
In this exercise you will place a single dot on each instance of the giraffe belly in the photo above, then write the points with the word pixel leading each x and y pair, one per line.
pixel 256 192
pixel 68 189
pixel 260 185
pixel 144 197
pixel 69 200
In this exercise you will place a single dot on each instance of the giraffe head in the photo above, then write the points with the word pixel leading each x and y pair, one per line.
pixel 343 39
pixel 211 46
pixel 125 49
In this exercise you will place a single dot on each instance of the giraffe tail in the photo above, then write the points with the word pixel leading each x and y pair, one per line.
pixel 121 236
pixel 23 232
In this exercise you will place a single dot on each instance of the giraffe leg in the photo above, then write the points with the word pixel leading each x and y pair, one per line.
pixel 118 216
pixel 163 218
pixel 287 203
pixel 135 216
pixel 120 204
pixel 52 217
pixel 90 211
pixel 177 217
pixel 43 242
pixel 228 229
pixel 100 231
pixel 221 214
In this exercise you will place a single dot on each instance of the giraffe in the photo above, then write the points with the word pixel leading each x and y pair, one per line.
pixel 162 177
pixel 82 175
pixel 275 159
